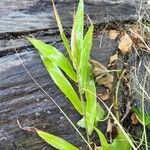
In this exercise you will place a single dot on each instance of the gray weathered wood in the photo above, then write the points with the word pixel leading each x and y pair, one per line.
pixel 26 15
pixel 19 96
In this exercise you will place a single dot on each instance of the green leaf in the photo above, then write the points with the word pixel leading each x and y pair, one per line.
pixel 91 102
pixel 55 56
pixel 67 46
pixel 104 143
pixel 85 56
pixel 99 113
pixel 120 142
pixel 77 33
pixel 55 141
pixel 140 116
pixel 64 85
pixel 63 36
pixel 81 123
pixel 99 116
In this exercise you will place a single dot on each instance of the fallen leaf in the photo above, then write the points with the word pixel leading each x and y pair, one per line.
pixel 125 44
pixel 105 80
pixel 113 34
pixel 103 77
pixel 134 119
pixel 113 60
pixel 109 126
pixel 105 95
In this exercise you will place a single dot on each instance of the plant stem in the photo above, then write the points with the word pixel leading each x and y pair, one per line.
pixel 84 113
pixel 143 111
pixel 116 96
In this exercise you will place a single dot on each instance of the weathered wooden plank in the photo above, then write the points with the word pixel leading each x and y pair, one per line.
pixel 27 16
pixel 20 97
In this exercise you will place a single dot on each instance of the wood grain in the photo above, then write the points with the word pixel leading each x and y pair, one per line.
pixel 20 97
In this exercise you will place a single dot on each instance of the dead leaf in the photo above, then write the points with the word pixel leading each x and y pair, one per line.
pixel 103 77
pixel 113 60
pixel 105 80
pixel 113 34
pixel 125 44
pixel 98 68
pixel 109 126
pixel 134 119
pixel 105 95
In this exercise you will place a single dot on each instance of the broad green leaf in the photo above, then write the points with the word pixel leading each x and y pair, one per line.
pixel 104 143
pixel 81 123
pixel 55 141
pixel 99 116
pixel 85 56
pixel 120 143
pixel 99 113
pixel 64 85
pixel 90 95
pixel 63 36
pixel 140 116
pixel 77 32
pixel 55 56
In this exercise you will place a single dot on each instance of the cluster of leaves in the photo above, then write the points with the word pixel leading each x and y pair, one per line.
pixel 80 72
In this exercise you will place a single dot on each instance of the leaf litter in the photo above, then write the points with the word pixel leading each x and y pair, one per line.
pixel 125 44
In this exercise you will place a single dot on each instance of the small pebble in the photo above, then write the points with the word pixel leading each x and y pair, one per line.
pixel 48 112
pixel 37 99
pixel 37 114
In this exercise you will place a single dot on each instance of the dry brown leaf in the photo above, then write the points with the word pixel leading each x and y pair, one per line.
pixel 113 34
pixel 113 60
pixel 105 80
pixel 109 126
pixel 134 119
pixel 103 77
pixel 125 44
pixel 105 95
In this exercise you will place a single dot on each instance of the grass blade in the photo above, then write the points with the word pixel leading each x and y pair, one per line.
pixel 63 36
pixel 120 142
pixel 91 102
pixel 85 56
pixel 90 106
pixel 55 56
pixel 55 141
pixel 77 32
pixel 64 85
pixel 140 115
pixel 104 143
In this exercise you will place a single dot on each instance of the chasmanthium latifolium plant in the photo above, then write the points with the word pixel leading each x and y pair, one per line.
pixel 78 70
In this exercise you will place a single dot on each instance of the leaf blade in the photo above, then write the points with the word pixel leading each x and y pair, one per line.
pixel 55 141
pixel 63 36
pixel 66 87
pixel 103 140
pixel 77 33
pixel 90 105
pixel 85 56
pixel 120 142
pixel 56 56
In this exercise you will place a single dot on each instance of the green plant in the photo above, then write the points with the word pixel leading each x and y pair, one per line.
pixel 80 72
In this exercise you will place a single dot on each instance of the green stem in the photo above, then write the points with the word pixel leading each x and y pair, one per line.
pixel 143 112
pixel 84 113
